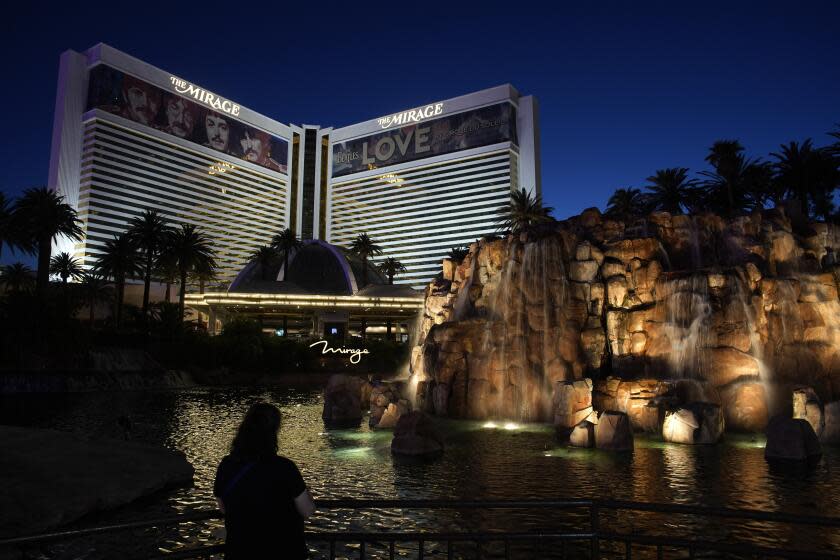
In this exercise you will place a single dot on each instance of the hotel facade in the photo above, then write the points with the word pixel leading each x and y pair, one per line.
pixel 129 137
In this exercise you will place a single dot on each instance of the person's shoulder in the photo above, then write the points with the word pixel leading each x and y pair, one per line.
pixel 284 462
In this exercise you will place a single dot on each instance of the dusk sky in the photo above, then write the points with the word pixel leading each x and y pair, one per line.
pixel 623 89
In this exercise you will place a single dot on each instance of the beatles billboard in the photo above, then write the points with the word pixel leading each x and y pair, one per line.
pixel 208 124
pixel 470 129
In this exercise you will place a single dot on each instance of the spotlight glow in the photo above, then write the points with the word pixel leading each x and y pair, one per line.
pixel 511 426
pixel 489 425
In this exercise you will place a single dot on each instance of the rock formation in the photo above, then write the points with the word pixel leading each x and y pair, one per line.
pixel 416 435
pixel 344 396
pixel 663 308
pixel 696 422
pixel 791 439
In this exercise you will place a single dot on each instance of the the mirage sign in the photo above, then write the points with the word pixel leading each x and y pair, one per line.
pixel 470 129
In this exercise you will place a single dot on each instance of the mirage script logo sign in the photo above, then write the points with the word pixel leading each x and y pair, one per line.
pixel 414 115
pixel 355 353
pixel 204 96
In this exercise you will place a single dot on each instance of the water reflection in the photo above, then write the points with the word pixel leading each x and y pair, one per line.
pixel 480 461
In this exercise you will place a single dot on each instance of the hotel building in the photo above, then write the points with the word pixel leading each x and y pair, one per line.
pixel 129 137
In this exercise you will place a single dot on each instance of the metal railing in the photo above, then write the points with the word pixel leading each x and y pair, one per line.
pixel 588 542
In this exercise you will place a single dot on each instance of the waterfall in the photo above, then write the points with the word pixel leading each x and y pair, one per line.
pixel 688 313
pixel 524 319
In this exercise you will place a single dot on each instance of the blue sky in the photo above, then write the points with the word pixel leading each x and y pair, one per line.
pixel 624 88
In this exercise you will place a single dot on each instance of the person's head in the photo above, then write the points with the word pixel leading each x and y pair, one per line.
pixel 218 131
pixel 180 119
pixel 255 145
pixel 257 434
pixel 141 100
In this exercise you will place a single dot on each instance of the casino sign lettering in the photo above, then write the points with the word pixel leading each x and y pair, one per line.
pixel 412 116
pixel 204 96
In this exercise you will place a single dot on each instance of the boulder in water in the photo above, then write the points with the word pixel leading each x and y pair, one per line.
pixel 416 435
pixel 613 431
pixel 791 439
pixel 572 404
pixel 695 423
pixel 343 398
pixel 381 396
pixel 583 435
pixel 393 414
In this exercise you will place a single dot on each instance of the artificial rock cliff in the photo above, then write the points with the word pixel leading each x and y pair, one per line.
pixel 664 310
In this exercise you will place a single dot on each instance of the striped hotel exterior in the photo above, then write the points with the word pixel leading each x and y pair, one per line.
pixel 419 182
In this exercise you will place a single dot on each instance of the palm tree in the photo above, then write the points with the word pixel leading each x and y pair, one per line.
pixel 525 212
pixel 671 189
pixel 192 251
pixel 119 260
pixel 95 289
pixel 390 267
pixel 805 172
pixel 365 247
pixel 65 266
pixel 265 256
pixel 17 277
pixel 43 215
pixel 9 233
pixel 166 268
pixel 203 274
pixel 149 232
pixel 285 242
pixel 729 164
pixel 626 202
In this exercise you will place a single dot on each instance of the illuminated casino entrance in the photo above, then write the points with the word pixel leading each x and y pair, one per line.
pixel 319 297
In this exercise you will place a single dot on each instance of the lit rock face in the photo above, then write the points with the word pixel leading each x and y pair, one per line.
pixel 695 423
pixel 572 404
pixel 416 435
pixel 745 308
pixel 824 419
pixel 613 432
pixel 583 435
pixel 791 439
pixel 382 395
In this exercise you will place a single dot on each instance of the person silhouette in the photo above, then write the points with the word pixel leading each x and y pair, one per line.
pixel 261 494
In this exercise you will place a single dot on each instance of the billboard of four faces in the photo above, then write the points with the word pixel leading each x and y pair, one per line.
pixel 115 92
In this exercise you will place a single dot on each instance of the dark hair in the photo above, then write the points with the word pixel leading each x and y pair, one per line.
pixel 257 435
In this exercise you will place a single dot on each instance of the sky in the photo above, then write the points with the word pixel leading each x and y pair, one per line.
pixel 624 88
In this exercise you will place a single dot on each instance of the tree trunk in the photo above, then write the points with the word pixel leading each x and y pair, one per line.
pixel 90 311
pixel 388 330
pixel 285 326
pixel 119 303
pixel 147 282
pixel 43 279
pixel 182 292
pixel 285 265
pixel 364 270
pixel 168 290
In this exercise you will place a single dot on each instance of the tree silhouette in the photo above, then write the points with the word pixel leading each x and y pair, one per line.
pixel 365 247
pixel 525 213
pixel 119 260
pixel 807 173
pixel 43 215
pixel 671 190
pixel 625 203
pixel 95 289
pixel 149 232
pixel 17 278
pixel 285 242
pixel 192 251
pixel 390 267
pixel 265 257
pixel 65 266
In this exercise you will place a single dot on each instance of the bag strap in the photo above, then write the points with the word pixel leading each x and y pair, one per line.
pixel 242 472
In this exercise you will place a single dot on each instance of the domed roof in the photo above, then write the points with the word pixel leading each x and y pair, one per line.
pixel 316 267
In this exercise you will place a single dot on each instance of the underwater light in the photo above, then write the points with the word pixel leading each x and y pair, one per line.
pixel 489 425
pixel 511 426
